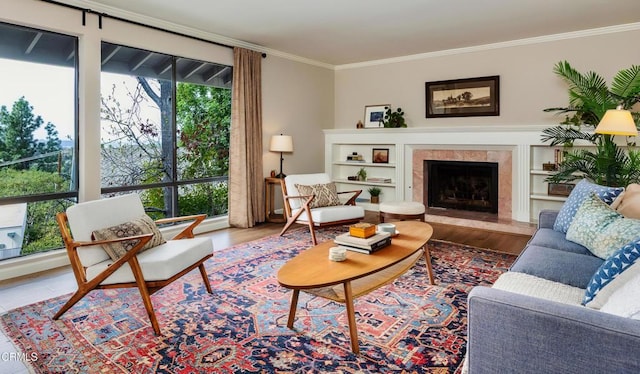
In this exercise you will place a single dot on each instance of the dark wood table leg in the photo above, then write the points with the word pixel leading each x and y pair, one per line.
pixel 294 305
pixel 353 330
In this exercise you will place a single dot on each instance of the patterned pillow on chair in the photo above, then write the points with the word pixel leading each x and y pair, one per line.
pixel 140 226
pixel 325 194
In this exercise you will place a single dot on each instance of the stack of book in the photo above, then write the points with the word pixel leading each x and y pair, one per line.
pixel 362 245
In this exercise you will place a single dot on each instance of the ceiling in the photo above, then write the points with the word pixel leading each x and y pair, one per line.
pixel 338 32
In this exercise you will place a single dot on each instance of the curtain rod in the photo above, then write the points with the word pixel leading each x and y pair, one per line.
pixel 100 15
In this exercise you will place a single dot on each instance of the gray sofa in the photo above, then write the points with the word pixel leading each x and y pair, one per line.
pixel 532 320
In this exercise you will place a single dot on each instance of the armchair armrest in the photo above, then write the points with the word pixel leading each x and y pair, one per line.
pixel 512 333
pixel 352 200
pixel 187 232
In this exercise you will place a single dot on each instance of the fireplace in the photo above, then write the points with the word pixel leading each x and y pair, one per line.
pixel 461 185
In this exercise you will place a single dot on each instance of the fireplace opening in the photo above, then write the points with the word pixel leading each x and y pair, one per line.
pixel 461 185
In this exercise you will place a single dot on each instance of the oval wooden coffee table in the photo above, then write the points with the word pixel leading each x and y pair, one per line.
pixel 313 272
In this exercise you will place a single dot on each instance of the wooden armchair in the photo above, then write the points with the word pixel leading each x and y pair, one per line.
pixel 299 207
pixel 149 271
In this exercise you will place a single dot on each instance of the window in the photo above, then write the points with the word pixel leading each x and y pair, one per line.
pixel 38 126
pixel 165 130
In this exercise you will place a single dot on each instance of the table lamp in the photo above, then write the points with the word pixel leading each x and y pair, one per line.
pixel 617 122
pixel 281 143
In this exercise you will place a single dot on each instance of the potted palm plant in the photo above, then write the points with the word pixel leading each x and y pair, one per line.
pixel 603 161
pixel 375 193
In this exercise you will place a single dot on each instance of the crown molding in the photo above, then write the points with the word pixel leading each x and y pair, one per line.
pixel 216 38
pixel 189 31
pixel 486 47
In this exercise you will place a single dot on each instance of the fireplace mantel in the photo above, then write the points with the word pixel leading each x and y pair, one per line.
pixel 522 143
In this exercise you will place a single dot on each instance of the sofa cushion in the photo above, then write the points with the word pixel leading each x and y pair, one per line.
pixel 559 266
pixel 526 284
pixel 142 225
pixel 555 239
pixel 613 274
pixel 582 190
pixel 325 194
pixel 601 229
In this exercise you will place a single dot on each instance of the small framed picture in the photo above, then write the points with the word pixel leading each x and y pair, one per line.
pixel 374 114
pixel 380 156
pixel 560 189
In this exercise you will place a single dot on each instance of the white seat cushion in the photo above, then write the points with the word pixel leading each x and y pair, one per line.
pixel 529 285
pixel 402 207
pixel 333 213
pixel 159 263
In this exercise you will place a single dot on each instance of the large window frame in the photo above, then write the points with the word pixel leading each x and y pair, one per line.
pixel 219 74
pixel 40 49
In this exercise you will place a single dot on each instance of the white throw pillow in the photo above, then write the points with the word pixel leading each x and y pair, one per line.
pixel 625 301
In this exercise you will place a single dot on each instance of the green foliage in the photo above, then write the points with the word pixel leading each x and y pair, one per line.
pixel 394 118
pixel 374 191
pixel 589 99
pixel 17 141
pixel 41 229
pixel 362 174
pixel 204 120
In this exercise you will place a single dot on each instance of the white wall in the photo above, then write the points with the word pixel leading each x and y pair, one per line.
pixel 297 100
pixel 527 82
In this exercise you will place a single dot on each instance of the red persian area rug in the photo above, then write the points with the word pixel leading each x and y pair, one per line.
pixel 406 326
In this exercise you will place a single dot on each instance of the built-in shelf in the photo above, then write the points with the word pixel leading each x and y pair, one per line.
pixel 363 164
pixel 364 183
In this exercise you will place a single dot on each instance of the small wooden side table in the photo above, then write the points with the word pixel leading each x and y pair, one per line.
pixel 269 202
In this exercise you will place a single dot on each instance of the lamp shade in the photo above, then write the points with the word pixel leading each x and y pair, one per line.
pixel 281 143
pixel 617 122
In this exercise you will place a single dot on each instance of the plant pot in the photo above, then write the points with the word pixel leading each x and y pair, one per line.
pixel 375 199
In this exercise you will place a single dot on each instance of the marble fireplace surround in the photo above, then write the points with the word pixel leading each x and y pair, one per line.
pixel 502 157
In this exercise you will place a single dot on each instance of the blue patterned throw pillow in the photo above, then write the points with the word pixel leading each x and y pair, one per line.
pixel 577 197
pixel 613 274
pixel 601 229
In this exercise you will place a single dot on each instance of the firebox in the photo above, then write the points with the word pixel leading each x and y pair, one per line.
pixel 461 185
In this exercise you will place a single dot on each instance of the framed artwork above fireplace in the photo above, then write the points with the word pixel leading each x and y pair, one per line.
pixel 463 97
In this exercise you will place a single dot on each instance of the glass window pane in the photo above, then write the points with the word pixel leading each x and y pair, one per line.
pixel 136 117
pixel 38 163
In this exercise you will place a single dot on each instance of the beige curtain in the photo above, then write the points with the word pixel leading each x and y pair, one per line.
pixel 246 179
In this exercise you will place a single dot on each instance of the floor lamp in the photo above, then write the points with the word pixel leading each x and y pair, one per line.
pixel 281 143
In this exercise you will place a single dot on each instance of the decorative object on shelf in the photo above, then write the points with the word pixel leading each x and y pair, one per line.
pixel 375 193
pixel 379 180
pixel 374 115
pixel 362 174
pixel 273 174
pixel 393 118
pixel 380 156
pixel 549 166
pixel 359 125
pixel 560 189
pixel 463 97
pixel 281 143
pixel 592 103
pixel 353 178
pixel 354 156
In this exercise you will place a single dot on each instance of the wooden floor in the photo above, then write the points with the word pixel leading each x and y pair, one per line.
pixel 497 241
